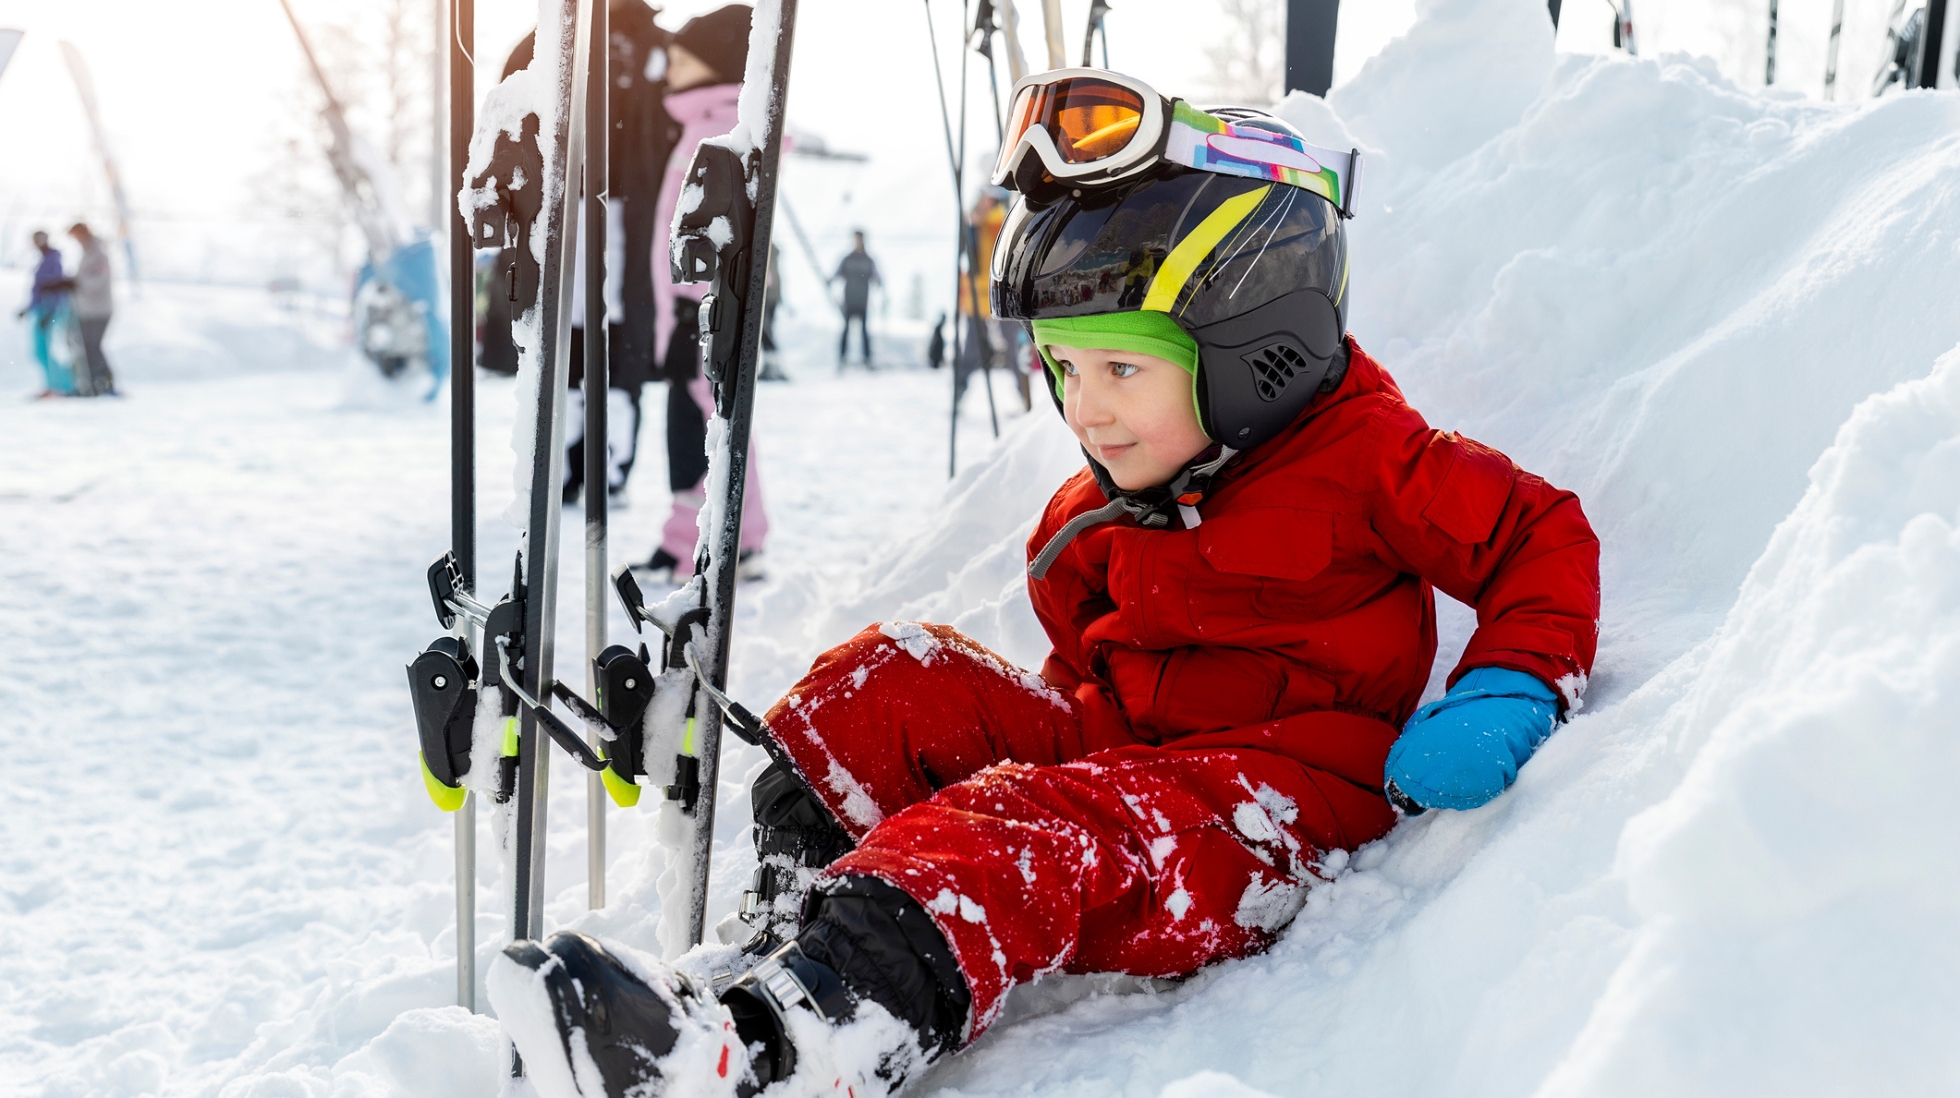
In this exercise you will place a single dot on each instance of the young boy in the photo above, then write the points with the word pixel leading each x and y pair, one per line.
pixel 1238 591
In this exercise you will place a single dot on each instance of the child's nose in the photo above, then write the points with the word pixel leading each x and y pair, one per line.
pixel 1092 409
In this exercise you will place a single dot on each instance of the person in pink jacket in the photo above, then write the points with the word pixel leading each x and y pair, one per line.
pixel 705 62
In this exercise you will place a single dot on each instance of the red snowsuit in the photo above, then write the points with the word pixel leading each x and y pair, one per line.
pixel 1218 705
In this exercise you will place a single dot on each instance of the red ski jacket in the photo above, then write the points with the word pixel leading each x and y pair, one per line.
pixel 1298 614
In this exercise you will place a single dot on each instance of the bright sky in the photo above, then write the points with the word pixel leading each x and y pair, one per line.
pixel 191 94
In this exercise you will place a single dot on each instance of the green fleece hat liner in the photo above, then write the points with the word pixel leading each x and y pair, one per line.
pixel 1143 333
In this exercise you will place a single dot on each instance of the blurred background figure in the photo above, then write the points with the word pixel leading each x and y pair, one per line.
pixel 772 299
pixel 94 303
pixel 46 313
pixel 991 343
pixel 858 272
pixel 936 345
pixel 643 134
pixel 705 60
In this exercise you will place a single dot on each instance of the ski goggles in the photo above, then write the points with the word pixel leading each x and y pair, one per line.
pixel 1088 127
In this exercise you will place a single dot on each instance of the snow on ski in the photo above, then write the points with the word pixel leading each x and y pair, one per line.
pixel 721 234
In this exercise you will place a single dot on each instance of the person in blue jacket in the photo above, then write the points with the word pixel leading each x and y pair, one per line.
pixel 45 308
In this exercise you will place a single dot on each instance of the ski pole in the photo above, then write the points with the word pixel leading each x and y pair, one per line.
pixel 970 243
pixel 981 41
pixel 959 254
pixel 462 435
pixel 1769 51
pixel 598 474
pixel 1831 54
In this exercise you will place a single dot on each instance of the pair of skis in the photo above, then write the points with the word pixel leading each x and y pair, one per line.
pixel 484 693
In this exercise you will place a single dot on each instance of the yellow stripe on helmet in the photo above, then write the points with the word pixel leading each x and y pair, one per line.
pixel 1176 269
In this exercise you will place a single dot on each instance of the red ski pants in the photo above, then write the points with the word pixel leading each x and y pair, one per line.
pixel 1040 844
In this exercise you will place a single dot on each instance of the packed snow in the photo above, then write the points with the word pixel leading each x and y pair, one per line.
pixel 1726 319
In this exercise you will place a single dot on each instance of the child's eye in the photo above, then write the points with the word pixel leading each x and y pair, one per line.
pixel 1122 369
pixel 1068 368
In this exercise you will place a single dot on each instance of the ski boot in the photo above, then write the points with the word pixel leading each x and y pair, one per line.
pixel 795 838
pixel 658 570
pixel 590 1022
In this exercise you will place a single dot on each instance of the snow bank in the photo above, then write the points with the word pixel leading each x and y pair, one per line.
pixel 1799 884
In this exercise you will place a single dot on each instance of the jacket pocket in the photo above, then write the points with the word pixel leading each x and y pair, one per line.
pixel 1206 689
pixel 1270 542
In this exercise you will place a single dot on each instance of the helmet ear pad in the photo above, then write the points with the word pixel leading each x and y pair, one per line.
pixel 1259 370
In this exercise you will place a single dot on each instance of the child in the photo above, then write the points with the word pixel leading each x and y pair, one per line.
pixel 705 62
pixel 1238 592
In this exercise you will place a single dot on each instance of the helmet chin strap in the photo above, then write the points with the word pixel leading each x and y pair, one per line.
pixel 1150 507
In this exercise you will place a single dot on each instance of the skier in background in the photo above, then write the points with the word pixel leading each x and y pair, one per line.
pixel 936 346
pixel 1002 341
pixel 705 62
pixel 642 136
pixel 1238 594
pixel 859 272
pixel 45 310
pixel 94 303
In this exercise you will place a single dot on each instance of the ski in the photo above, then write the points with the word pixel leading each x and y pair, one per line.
pixel 721 237
pixel 1310 44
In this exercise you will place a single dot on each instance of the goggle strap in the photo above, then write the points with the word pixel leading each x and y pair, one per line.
pixel 1204 141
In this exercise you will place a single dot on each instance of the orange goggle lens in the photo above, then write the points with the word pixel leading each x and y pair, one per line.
pixel 1088 119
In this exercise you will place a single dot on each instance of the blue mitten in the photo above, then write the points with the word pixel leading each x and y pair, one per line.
pixel 1465 748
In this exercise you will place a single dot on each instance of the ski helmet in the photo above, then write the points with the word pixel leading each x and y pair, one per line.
pixel 1254 270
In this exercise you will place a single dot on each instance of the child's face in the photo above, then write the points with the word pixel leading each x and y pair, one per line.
pixel 1132 411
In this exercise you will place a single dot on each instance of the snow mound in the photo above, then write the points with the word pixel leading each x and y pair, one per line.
pixel 1797 884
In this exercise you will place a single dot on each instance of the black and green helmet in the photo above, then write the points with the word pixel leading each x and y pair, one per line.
pixel 1255 271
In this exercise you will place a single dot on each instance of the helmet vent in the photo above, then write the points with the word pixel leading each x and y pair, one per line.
pixel 1274 367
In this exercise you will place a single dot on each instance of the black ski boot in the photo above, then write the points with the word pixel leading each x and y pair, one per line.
pixel 795 838
pixel 867 997
pixel 591 1024
pixel 870 960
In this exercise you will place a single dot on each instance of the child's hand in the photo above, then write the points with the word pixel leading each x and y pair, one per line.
pixel 1464 749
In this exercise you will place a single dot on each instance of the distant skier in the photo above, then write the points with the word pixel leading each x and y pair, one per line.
pixel 46 313
pixel 705 61
pixel 858 272
pixel 94 304
pixel 1238 593
pixel 936 344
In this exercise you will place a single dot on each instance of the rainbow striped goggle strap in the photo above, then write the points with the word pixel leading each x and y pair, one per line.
pixel 1196 139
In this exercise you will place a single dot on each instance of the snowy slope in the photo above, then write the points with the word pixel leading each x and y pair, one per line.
pixel 1724 319
pixel 217 866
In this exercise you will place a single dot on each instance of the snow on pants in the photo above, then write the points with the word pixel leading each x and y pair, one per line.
pixel 1042 841
pixel 678 533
